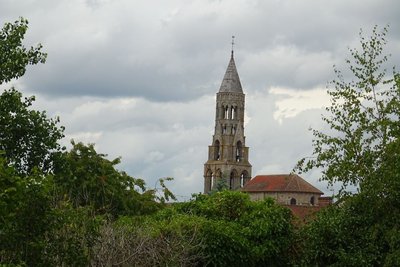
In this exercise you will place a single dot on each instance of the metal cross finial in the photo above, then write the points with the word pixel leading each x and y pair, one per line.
pixel 233 43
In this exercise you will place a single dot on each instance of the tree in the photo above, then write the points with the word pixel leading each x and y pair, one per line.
pixel 241 232
pixel 14 57
pixel 363 117
pixel 28 138
pixel 25 215
pixel 87 178
pixel 362 149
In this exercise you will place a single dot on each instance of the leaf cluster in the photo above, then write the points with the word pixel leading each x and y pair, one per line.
pixel 28 137
pixel 87 178
pixel 241 232
pixel 14 57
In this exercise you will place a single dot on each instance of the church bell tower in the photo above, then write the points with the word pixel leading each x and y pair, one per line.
pixel 228 156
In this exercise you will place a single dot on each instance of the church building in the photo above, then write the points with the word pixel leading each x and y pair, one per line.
pixel 228 156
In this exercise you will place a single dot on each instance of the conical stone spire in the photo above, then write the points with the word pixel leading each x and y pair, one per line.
pixel 228 155
pixel 231 82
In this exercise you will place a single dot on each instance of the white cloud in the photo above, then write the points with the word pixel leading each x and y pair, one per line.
pixel 85 137
pixel 292 102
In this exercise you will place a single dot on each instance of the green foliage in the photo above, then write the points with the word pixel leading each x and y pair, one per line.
pixel 220 184
pixel 166 194
pixel 33 231
pixel 361 229
pixel 227 205
pixel 241 232
pixel 359 232
pixel 338 237
pixel 72 236
pixel 56 207
pixel 14 57
pixel 87 178
pixel 363 117
pixel 25 215
pixel 28 138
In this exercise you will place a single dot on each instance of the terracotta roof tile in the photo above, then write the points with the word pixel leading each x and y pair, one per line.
pixel 279 183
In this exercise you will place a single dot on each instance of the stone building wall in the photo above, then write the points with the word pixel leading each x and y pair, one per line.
pixel 285 198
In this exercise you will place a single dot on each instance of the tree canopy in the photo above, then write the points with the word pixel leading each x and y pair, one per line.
pixel 363 117
pixel 362 149
pixel 28 137
pixel 14 56
pixel 87 178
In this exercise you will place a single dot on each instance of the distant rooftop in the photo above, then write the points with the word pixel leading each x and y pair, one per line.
pixel 280 183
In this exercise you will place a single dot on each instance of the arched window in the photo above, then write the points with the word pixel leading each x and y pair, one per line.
pixel 243 178
pixel 209 182
pixel 312 200
pixel 224 129
pixel 238 151
pixel 217 152
pixel 226 113
pixel 221 112
pixel 232 178
pixel 293 201
pixel 233 129
pixel 233 112
pixel 212 183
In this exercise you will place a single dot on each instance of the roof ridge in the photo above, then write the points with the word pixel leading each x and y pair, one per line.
pixel 279 183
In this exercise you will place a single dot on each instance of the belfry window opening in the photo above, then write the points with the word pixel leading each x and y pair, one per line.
pixel 244 178
pixel 233 129
pixel 232 178
pixel 238 151
pixel 241 180
pixel 226 113
pixel 217 152
pixel 224 130
pixel 233 113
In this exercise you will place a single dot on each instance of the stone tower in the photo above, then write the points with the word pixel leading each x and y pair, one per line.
pixel 228 156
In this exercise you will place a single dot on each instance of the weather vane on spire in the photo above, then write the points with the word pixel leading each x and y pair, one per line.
pixel 233 43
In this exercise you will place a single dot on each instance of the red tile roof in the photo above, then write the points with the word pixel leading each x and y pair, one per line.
pixel 279 183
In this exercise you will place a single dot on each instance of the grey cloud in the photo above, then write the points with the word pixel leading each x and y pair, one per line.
pixel 165 60
pixel 174 51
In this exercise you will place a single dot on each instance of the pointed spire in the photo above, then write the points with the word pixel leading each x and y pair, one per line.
pixel 231 81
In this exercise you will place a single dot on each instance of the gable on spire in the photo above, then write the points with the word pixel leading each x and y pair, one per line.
pixel 231 82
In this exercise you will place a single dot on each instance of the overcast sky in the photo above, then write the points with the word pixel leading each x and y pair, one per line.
pixel 139 78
